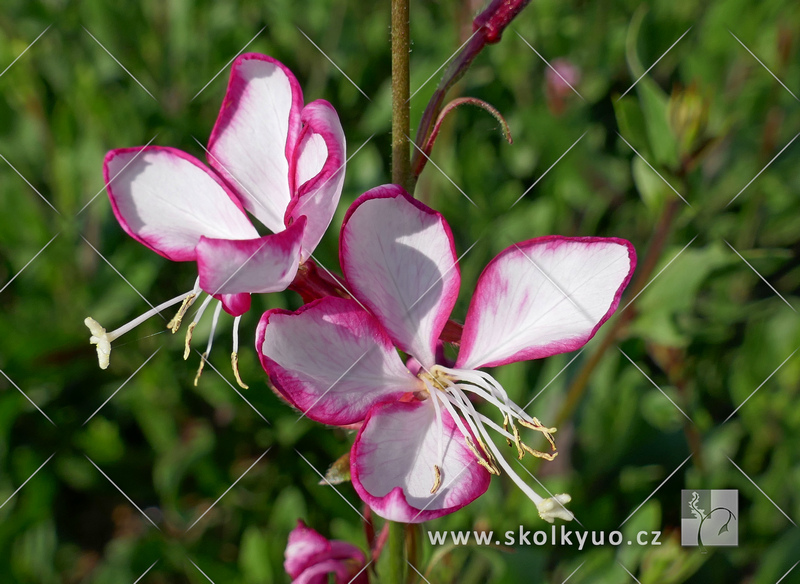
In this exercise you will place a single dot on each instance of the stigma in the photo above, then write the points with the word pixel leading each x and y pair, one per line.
pixel 103 339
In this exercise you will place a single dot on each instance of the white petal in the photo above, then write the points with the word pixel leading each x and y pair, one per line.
pixel 319 171
pixel 399 259
pixel 332 360
pixel 167 199
pixel 543 297
pixel 255 135
pixel 258 265
pixel 393 458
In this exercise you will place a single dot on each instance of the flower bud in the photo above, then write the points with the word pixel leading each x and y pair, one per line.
pixel 687 112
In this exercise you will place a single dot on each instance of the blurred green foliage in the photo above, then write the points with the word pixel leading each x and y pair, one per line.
pixel 715 330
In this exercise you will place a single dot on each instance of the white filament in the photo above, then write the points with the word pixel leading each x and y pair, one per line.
pixel 455 400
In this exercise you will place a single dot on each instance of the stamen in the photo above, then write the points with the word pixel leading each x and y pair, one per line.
pixel 439 423
pixel 453 384
pixel 203 358
pixel 467 435
pixel 188 342
pixel 198 315
pixel 539 454
pixel 491 458
pixel 175 323
pixel 518 444
pixel 480 460
pixel 475 423
pixel 235 353
pixel 548 432
pixel 437 479
pixel 505 427
pixel 235 365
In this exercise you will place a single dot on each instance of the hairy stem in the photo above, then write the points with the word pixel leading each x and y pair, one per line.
pixel 401 154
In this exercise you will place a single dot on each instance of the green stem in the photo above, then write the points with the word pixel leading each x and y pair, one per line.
pixel 396 551
pixel 401 154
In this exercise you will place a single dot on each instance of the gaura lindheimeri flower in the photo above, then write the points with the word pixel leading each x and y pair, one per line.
pixel 423 450
pixel 271 155
pixel 310 558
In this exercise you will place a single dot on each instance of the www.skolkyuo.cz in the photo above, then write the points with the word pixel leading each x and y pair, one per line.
pixel 555 536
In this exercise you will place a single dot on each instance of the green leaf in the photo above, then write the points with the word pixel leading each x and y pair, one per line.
pixel 631 122
pixel 670 299
pixel 651 188
pixel 654 108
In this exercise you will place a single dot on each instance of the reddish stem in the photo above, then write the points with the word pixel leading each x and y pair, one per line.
pixel 313 283
pixel 488 27
pixel 380 542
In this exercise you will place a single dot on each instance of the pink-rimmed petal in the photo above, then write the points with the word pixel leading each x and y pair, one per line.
pixel 399 258
pixel 343 570
pixel 391 464
pixel 332 360
pixel 263 264
pixel 318 171
pixel 309 555
pixel 543 297
pixel 167 199
pixel 256 133
pixel 304 546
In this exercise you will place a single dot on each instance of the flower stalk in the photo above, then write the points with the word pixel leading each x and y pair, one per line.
pixel 396 548
pixel 401 115
pixel 401 175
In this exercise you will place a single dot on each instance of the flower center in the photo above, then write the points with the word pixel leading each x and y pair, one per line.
pixel 448 388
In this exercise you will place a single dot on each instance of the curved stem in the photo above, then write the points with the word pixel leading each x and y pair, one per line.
pixel 488 27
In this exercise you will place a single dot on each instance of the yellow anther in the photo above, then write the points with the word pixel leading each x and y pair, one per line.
pixel 547 432
pixel 488 453
pixel 537 454
pixel 481 460
pixel 235 365
pixel 200 369
pixel 505 427
pixel 518 444
pixel 187 349
pixel 174 324
pixel 537 425
pixel 437 478
pixel 487 466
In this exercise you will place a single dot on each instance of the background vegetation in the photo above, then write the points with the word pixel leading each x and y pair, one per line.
pixel 718 323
